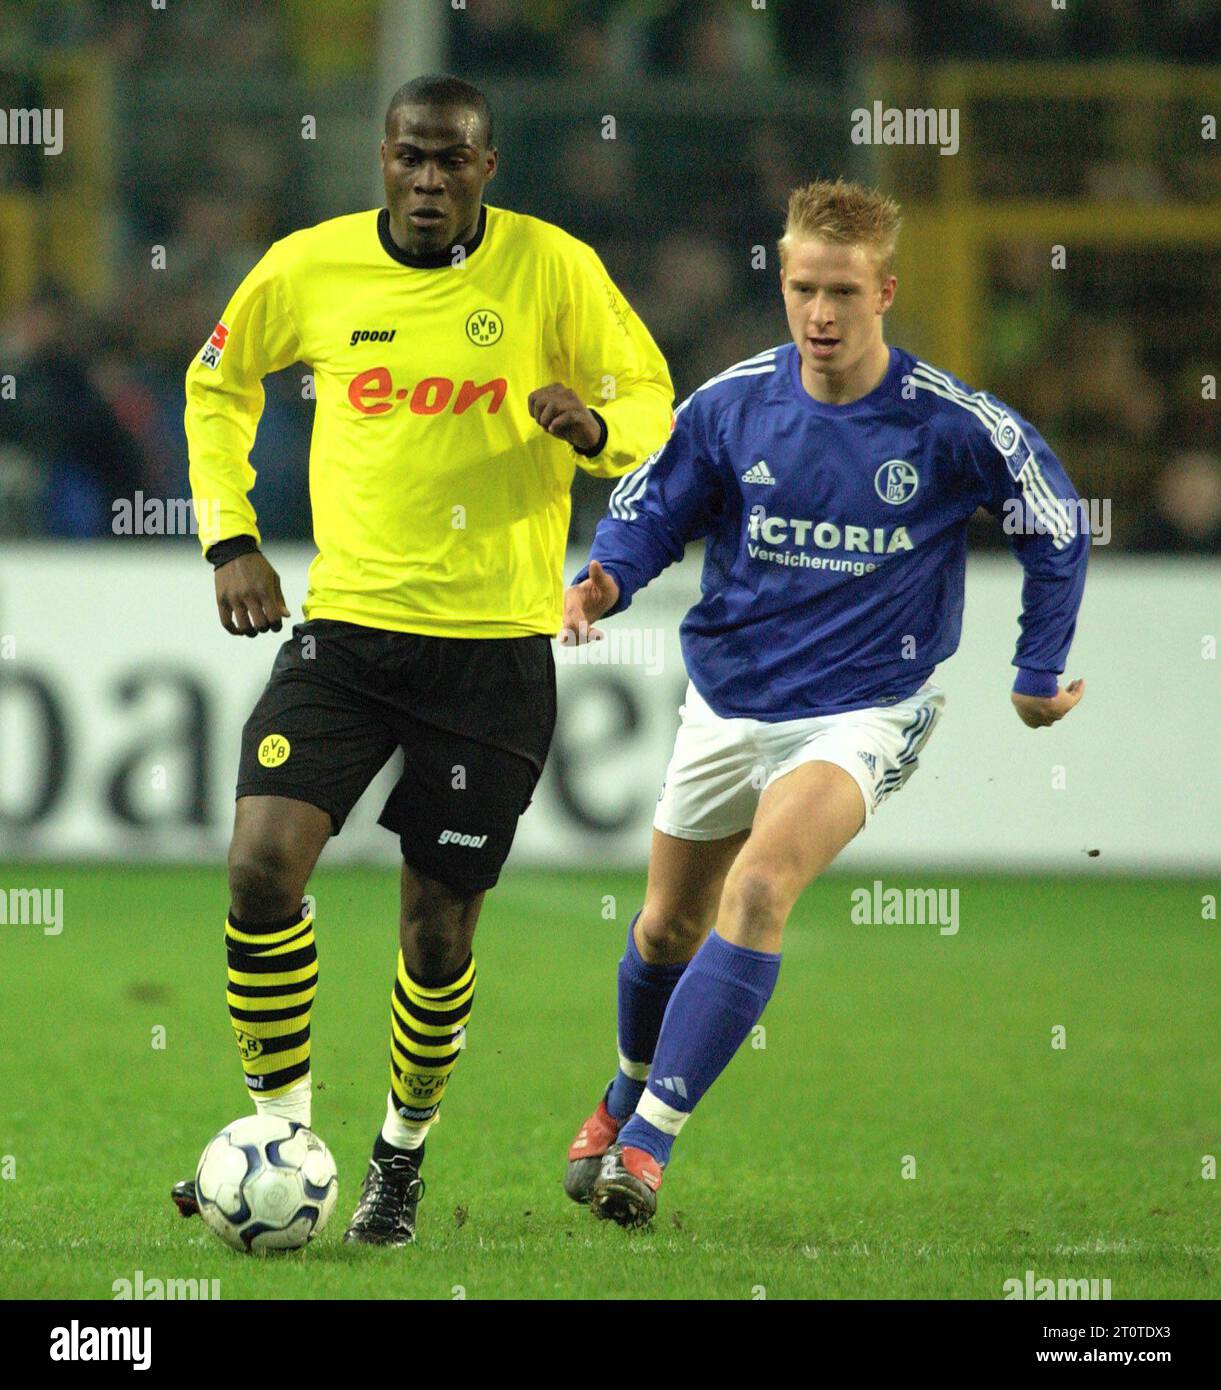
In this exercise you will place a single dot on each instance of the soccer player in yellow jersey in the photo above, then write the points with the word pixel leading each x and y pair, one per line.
pixel 466 360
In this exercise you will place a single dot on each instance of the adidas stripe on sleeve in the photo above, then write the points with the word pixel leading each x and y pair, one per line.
pixel 1029 492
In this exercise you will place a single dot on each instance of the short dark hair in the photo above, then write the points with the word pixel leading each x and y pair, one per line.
pixel 437 89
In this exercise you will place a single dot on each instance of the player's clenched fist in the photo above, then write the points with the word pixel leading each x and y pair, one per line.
pixel 248 596
pixel 584 604
pixel 560 411
pixel 1037 711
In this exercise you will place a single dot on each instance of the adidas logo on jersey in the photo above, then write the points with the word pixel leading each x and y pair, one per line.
pixel 760 473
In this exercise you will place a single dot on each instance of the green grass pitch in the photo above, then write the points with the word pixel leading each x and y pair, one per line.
pixel 881 1042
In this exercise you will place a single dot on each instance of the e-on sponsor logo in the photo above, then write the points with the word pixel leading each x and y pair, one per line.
pixel 374 393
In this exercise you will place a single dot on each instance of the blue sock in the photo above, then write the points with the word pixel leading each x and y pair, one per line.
pixel 644 992
pixel 711 1012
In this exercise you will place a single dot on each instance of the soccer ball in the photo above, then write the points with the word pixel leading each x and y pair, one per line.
pixel 266 1184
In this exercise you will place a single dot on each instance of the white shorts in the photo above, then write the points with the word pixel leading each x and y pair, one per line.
pixel 721 767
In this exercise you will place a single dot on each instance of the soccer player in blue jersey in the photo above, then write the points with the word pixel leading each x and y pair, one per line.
pixel 832 479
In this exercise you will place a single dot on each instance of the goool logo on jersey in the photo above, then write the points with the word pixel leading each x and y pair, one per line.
pixel 896 482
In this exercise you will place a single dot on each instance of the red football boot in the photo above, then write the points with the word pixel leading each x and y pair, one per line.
pixel 626 1187
pixel 585 1152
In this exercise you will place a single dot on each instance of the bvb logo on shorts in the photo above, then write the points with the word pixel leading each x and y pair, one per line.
pixel 484 327
pixel 248 1046
pixel 274 750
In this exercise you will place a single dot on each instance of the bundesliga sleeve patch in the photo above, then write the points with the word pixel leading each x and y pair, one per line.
pixel 215 345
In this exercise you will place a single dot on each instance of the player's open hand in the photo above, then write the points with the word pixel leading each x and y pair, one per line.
pixel 1038 711
pixel 248 596
pixel 561 412
pixel 584 604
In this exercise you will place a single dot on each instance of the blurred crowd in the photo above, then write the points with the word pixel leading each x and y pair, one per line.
pixel 1113 375
pixel 728 38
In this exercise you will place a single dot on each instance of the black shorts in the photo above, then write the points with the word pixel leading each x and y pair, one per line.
pixel 473 716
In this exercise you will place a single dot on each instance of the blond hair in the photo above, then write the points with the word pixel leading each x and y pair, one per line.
pixel 847 213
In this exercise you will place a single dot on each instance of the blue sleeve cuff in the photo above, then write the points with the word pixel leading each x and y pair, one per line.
pixel 625 599
pixel 1043 684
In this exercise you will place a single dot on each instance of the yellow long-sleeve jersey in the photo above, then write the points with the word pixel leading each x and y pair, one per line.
pixel 439 505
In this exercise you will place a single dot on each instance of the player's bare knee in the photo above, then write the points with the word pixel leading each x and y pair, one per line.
pixel 263 883
pixel 436 924
pixel 665 934
pixel 758 896
pixel 432 951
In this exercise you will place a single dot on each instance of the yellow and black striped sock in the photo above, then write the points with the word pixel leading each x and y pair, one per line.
pixel 273 977
pixel 427 1024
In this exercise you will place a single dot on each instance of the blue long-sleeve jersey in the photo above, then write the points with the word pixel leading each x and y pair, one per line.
pixel 836 535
